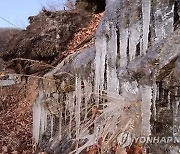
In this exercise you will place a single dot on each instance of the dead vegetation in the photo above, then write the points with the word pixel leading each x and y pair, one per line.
pixel 85 37
pixel 16 117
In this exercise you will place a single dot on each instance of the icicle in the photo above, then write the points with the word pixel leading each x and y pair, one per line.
pixel 44 114
pixel 52 124
pixel 60 121
pixel 146 9
pixel 37 114
pixel 112 80
pixel 100 61
pixel 78 106
pixel 146 109
pixel 123 47
pixel 71 97
pixel 36 121
pixel 112 46
pixel 67 105
pixel 169 100
pixel 154 100
pixel 88 92
pixel 134 39
pixel 168 21
pixel 60 126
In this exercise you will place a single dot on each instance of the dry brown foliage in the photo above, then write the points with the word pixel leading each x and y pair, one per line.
pixel 16 117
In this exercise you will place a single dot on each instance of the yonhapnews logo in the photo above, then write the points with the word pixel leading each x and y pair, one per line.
pixel 126 139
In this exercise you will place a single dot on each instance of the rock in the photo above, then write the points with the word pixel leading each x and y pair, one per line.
pixel 159 61
pixel 9 79
pixel 176 70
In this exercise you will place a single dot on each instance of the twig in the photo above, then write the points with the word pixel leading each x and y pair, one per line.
pixel 31 60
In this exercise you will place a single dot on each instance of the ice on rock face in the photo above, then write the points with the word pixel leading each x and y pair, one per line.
pixel 124 35
pixel 146 10
pixel 78 106
pixel 155 96
pixel 112 80
pixel 117 43
pixel 146 109
pixel 100 62
pixel 38 115
pixel 116 49
pixel 163 21
pixel 130 90
pixel 134 40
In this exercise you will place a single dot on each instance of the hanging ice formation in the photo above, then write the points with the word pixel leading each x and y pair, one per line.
pixel 120 43
pixel 127 29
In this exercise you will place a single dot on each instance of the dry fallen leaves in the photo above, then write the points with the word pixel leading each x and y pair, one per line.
pixel 84 34
pixel 16 117
pixel 136 148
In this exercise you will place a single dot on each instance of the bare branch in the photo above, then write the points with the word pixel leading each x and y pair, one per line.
pixel 70 4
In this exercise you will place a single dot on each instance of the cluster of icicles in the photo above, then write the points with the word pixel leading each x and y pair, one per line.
pixel 120 104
